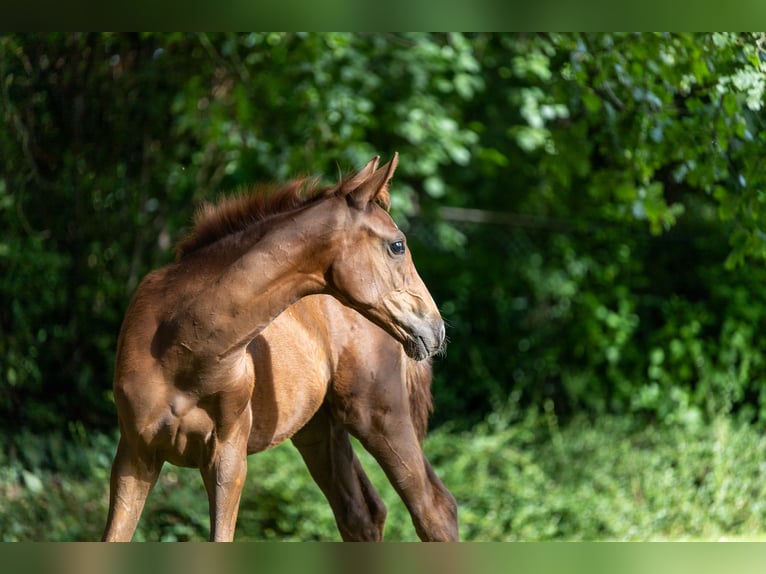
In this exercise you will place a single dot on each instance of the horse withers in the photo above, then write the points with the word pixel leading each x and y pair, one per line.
pixel 189 382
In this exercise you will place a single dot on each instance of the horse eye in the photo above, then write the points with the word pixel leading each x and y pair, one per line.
pixel 397 247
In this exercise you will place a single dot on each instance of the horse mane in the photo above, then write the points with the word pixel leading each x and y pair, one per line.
pixel 229 215
pixel 418 380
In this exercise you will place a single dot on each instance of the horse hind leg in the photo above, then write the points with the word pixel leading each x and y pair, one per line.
pixel 360 513
pixel 132 478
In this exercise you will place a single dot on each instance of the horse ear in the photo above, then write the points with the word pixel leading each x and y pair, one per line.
pixel 362 175
pixel 373 185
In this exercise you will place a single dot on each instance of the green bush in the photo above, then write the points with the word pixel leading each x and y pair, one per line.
pixel 597 322
pixel 515 476
pixel 615 179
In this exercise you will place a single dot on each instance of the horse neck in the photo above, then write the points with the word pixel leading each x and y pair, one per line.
pixel 279 264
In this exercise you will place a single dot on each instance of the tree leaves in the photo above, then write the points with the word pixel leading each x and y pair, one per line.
pixel 577 148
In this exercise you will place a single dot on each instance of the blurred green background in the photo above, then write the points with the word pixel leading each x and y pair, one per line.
pixel 587 209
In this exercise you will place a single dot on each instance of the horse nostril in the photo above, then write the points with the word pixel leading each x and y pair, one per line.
pixel 442 333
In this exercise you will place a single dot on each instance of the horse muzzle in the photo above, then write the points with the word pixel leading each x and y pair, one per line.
pixel 426 342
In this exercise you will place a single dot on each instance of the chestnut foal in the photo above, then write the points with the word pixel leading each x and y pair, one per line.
pixel 185 371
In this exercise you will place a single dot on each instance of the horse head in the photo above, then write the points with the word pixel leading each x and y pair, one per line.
pixel 374 272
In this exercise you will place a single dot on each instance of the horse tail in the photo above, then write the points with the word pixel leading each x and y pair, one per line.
pixel 418 378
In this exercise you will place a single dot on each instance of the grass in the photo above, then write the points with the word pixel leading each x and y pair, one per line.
pixel 515 478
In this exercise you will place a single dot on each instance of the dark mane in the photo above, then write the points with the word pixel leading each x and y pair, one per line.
pixel 212 221
pixel 419 388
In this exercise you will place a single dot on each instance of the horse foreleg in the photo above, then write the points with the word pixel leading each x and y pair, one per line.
pixel 224 478
pixel 360 513
pixel 395 446
pixel 131 481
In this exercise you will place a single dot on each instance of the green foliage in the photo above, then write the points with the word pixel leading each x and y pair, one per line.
pixel 614 265
pixel 588 210
pixel 53 486
pixel 622 166
pixel 110 140
pixel 610 480
pixel 516 476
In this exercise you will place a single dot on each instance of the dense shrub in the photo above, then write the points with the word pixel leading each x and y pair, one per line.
pixel 610 187
pixel 516 477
